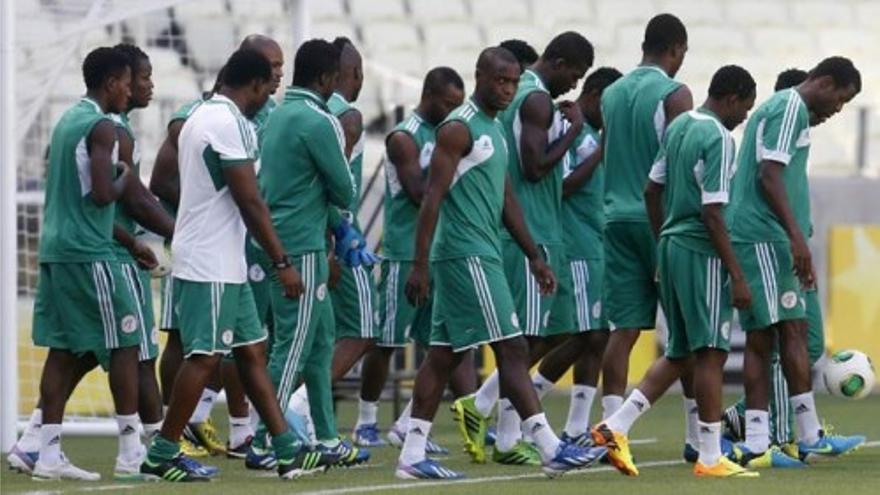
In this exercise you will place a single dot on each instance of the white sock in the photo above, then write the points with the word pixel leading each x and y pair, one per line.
pixel 50 444
pixel 509 426
pixel 402 422
pixel 804 407
pixel 150 431
pixel 254 416
pixel 367 412
pixel 634 406
pixel 488 394
pixel 692 422
pixel 757 430
pixel 129 441
pixel 30 438
pixel 610 405
pixel 579 409
pixel 239 430
pixel 541 384
pixel 413 450
pixel 203 408
pixel 709 442
pixel 547 441
pixel 299 401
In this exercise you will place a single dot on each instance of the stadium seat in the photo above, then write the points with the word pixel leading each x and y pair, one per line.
pixel 508 11
pixel 716 45
pixel 781 42
pixel 327 10
pixel 620 13
pixel 535 36
pixel 693 12
pixel 380 36
pixel 822 14
pixel 259 9
pixel 569 12
pixel 409 61
pixel 748 13
pixel 463 61
pixel 330 30
pixel 868 14
pixel 366 11
pixel 449 36
pixel 601 37
pixel 186 11
pixel 856 43
pixel 211 40
pixel 434 11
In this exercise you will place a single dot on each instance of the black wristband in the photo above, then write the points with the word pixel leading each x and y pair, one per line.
pixel 283 263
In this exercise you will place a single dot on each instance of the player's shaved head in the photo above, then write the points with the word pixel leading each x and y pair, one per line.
pixel 497 78
pixel 493 58
pixel 270 49
pixel 351 69
pixel 258 42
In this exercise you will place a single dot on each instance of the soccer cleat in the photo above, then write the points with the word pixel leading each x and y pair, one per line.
pixel 129 469
pixel 570 457
pixel 690 454
pixel 199 468
pixel 428 469
pixel 724 468
pixel 260 459
pixel 733 424
pixel 22 461
pixel 205 434
pixel 434 448
pixel 367 435
pixel 829 445
pixel 491 436
pixel 522 454
pixel 240 451
pixel 396 436
pixel 791 450
pixel 618 448
pixel 176 470
pixel 62 470
pixel 345 453
pixel 583 440
pixel 473 426
pixel 770 458
pixel 190 449
pixel 306 462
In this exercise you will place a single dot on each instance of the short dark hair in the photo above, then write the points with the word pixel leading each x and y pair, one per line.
pixel 600 79
pixel 314 59
pixel 664 31
pixel 732 80
pixel 521 50
pixel 134 54
pixel 841 70
pixel 571 47
pixel 101 64
pixel 439 77
pixel 244 66
pixel 789 78
pixel 340 41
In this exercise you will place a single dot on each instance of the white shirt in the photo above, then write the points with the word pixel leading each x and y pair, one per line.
pixel 209 234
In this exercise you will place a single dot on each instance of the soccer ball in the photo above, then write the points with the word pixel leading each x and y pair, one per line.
pixel 849 374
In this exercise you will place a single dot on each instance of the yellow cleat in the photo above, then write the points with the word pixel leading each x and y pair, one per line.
pixel 618 448
pixel 190 449
pixel 724 468
pixel 205 434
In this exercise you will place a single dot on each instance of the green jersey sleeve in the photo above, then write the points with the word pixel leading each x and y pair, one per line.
pixel 713 171
pixel 328 153
pixel 783 125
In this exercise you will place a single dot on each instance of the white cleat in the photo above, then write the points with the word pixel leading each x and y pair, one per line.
pixel 129 469
pixel 396 436
pixel 62 470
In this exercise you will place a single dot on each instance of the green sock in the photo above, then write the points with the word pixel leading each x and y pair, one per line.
pixel 162 450
pixel 285 445
pixel 259 442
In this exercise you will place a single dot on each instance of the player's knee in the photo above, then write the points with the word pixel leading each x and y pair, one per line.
pixel 511 350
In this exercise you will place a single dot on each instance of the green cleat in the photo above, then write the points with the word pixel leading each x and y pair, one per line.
pixel 522 454
pixel 472 426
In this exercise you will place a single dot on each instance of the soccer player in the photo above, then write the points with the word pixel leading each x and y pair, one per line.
pixel 636 110
pixel 524 53
pixel 769 218
pixel 304 176
pixel 219 199
pixel 83 302
pixel 408 149
pixel 701 280
pixel 469 197
pixel 533 128
pixel 583 220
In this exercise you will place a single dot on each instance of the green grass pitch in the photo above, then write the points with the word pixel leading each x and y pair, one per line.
pixel 659 460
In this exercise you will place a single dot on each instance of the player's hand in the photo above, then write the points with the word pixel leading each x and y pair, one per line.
pixel 418 285
pixel 544 275
pixel 572 113
pixel 122 168
pixel 291 281
pixel 803 261
pixel 143 255
pixel 335 271
pixel 742 295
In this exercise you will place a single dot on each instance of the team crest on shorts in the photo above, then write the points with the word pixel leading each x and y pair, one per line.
pixel 789 299
pixel 321 293
pixel 256 273
pixel 514 320
pixel 226 337
pixel 725 330
pixel 129 323
pixel 597 309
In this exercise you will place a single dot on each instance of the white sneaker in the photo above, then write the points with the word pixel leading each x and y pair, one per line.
pixel 129 469
pixel 396 436
pixel 62 470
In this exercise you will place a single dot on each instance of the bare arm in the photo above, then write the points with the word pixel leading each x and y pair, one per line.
pixel 582 174
pixel 105 189
pixel 165 181
pixel 137 202
pixel 714 221
pixel 538 157
pixel 516 225
pixel 654 205
pixel 772 186
pixel 353 126
pixel 404 157
pixel 678 102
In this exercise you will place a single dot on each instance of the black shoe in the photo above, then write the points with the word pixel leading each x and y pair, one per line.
pixel 176 470
pixel 305 462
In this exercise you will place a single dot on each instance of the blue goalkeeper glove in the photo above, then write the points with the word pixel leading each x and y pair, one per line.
pixel 362 256
pixel 347 240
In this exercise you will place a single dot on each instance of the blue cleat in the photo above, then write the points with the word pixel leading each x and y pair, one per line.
pixel 690 454
pixel 570 457
pixel 345 452
pixel 773 457
pixel 583 440
pixel 22 461
pixel 368 436
pixel 396 437
pixel 428 469
pixel 199 468
pixel 260 459
pixel 829 446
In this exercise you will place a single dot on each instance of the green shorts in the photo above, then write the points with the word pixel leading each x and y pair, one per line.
pixel 695 292
pixel 472 303
pixel 815 326
pixel 776 291
pixel 298 322
pixel 540 315
pixel 259 267
pixel 630 291
pixel 148 347
pixel 400 321
pixel 168 316
pixel 81 307
pixel 354 304
pixel 583 293
pixel 216 317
